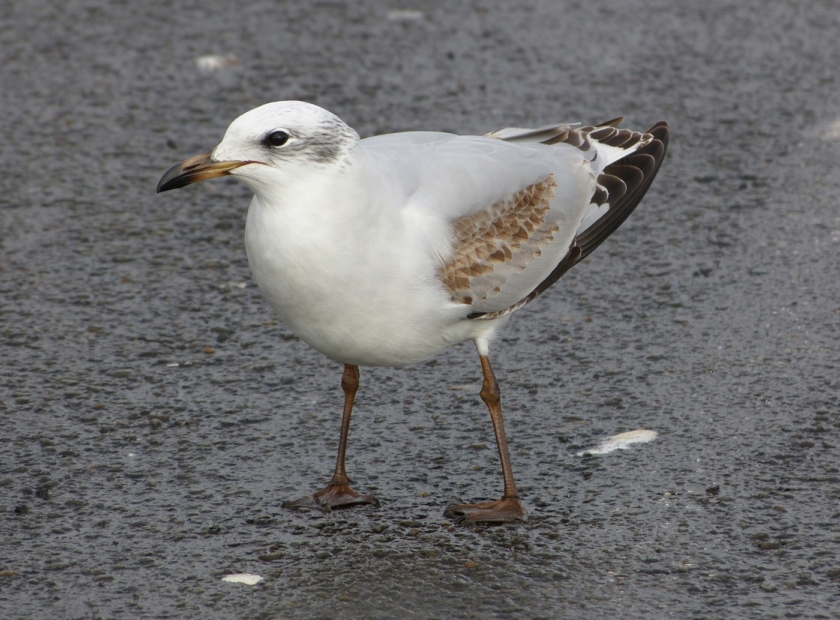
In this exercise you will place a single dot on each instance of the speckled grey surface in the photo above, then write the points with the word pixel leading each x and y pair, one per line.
pixel 130 486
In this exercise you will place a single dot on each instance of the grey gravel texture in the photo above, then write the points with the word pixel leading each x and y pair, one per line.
pixel 129 486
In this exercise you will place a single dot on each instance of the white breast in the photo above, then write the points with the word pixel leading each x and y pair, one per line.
pixel 359 293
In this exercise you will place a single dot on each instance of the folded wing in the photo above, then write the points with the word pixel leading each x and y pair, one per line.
pixel 507 254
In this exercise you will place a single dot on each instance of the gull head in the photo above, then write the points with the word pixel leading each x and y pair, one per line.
pixel 269 145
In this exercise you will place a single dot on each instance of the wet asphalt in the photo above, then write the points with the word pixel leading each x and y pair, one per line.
pixel 154 414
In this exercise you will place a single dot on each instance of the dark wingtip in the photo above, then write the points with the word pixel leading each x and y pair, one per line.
pixel 661 132
pixel 637 171
pixel 610 123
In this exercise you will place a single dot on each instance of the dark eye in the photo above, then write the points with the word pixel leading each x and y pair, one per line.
pixel 277 138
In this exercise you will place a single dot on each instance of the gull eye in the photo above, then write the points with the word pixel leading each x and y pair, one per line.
pixel 277 138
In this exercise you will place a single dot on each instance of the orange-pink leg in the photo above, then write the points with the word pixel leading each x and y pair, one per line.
pixel 510 507
pixel 338 494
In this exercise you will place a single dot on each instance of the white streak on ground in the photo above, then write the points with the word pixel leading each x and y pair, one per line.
pixel 622 441
pixel 832 131
pixel 214 62
pixel 246 578
pixel 405 15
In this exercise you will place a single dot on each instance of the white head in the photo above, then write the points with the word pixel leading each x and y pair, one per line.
pixel 275 141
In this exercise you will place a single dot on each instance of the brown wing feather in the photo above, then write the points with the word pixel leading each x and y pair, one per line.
pixel 497 242
pixel 625 182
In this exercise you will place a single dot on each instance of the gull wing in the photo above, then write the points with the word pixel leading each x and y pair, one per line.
pixel 520 206
pixel 625 162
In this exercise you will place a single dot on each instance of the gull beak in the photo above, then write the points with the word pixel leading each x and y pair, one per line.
pixel 195 169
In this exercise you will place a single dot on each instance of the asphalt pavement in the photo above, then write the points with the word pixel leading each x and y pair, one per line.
pixel 154 414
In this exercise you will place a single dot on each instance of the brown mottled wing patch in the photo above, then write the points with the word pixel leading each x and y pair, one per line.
pixel 621 186
pixel 569 261
pixel 493 244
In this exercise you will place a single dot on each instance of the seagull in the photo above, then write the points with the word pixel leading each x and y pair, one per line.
pixel 389 250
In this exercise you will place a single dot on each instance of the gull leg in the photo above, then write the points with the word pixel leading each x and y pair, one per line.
pixel 338 494
pixel 510 507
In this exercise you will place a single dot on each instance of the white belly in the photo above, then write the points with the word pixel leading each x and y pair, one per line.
pixel 354 299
